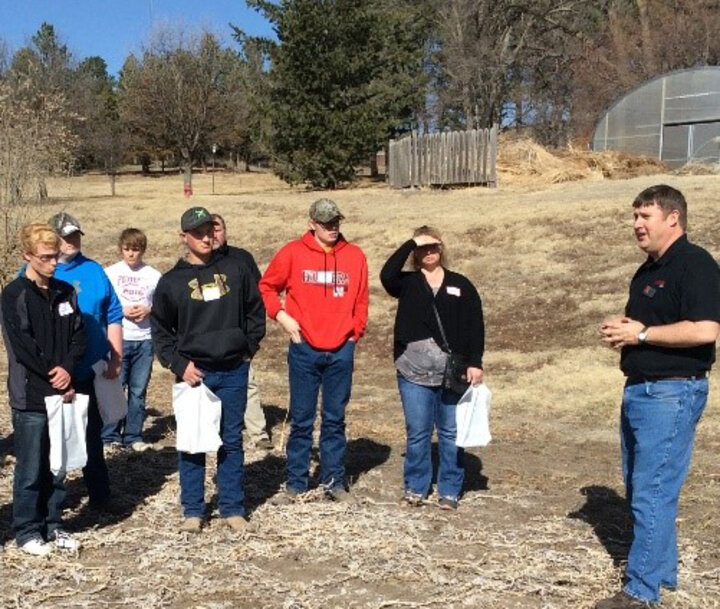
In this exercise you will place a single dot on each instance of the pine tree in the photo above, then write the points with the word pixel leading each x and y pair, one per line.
pixel 345 75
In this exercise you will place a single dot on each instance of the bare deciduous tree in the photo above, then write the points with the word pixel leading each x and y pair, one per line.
pixel 179 94
pixel 35 139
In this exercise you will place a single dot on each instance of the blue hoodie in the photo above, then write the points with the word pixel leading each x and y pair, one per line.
pixel 99 305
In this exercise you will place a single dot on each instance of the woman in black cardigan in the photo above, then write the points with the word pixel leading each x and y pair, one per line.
pixel 420 353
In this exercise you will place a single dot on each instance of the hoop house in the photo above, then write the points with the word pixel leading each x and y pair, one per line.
pixel 674 117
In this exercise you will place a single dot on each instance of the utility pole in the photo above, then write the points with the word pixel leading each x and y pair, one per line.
pixel 214 151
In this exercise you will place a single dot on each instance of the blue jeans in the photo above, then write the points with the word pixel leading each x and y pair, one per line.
pixel 657 425
pixel 136 369
pixel 38 496
pixel 426 408
pixel 310 369
pixel 231 387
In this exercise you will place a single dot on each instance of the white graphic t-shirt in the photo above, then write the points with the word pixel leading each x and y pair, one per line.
pixel 134 287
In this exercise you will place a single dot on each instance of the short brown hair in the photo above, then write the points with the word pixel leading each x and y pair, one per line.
pixel 218 219
pixel 133 237
pixel 431 232
pixel 666 198
pixel 35 234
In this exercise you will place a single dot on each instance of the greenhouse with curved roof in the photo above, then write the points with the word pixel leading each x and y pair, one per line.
pixel 674 117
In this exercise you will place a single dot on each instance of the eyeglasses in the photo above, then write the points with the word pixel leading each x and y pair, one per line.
pixel 47 257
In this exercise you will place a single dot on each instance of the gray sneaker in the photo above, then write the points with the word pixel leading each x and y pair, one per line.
pixel 448 504
pixel 338 494
pixel 410 499
pixel 64 541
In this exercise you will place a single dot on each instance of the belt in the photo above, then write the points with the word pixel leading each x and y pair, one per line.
pixel 639 380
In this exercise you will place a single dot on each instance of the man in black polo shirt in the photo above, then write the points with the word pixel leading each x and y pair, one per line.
pixel 667 340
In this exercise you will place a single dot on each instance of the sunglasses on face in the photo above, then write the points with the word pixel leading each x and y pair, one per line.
pixel 430 248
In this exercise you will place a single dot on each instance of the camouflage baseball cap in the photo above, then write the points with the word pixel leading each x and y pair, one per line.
pixel 64 224
pixel 194 217
pixel 325 210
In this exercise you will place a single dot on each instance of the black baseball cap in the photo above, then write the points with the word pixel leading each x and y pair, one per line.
pixel 194 217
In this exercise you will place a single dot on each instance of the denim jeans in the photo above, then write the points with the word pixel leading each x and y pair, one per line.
pixel 231 387
pixel 309 370
pixel 38 496
pixel 136 369
pixel 95 473
pixel 426 408
pixel 657 425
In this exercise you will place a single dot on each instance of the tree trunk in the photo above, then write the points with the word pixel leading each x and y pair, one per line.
pixel 187 173
pixel 111 176
pixel 647 44
pixel 42 189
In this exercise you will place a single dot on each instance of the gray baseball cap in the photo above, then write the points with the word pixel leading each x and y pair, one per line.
pixel 64 224
pixel 325 210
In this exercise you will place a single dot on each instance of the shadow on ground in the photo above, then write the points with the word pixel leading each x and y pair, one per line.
pixel 608 514
pixel 475 480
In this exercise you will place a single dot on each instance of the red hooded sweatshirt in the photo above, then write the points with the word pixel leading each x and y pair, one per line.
pixel 326 292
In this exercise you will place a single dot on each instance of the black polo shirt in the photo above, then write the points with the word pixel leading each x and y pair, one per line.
pixel 682 285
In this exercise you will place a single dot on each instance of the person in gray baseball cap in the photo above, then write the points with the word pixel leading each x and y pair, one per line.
pixel 102 315
pixel 64 224
pixel 324 312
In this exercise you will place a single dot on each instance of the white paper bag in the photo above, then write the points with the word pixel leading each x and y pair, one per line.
pixel 67 424
pixel 111 399
pixel 197 414
pixel 472 416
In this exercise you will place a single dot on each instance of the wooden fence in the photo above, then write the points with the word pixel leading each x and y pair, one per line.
pixel 438 159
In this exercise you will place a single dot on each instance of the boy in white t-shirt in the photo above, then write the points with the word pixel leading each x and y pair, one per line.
pixel 134 282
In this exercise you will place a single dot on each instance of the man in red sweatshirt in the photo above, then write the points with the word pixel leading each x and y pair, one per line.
pixel 324 312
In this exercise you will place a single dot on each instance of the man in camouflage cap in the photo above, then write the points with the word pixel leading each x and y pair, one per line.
pixel 324 279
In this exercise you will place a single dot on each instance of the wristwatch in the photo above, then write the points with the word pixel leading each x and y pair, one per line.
pixel 642 337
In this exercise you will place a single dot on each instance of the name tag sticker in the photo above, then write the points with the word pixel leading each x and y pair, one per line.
pixel 210 292
pixel 453 291
pixel 64 309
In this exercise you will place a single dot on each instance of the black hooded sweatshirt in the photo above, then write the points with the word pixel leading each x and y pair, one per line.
pixel 210 314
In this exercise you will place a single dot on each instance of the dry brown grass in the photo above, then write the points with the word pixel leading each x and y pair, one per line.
pixel 522 161
pixel 550 261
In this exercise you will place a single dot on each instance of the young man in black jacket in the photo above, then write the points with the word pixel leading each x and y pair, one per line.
pixel 45 340
pixel 207 323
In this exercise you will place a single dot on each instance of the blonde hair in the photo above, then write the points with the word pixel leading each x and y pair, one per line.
pixel 36 234
pixel 430 231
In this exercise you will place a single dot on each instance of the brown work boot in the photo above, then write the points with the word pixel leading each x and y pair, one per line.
pixel 236 523
pixel 622 600
pixel 191 524
pixel 286 497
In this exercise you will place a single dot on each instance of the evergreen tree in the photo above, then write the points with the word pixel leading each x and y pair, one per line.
pixel 344 76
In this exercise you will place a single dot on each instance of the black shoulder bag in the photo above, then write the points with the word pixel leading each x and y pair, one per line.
pixel 455 374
